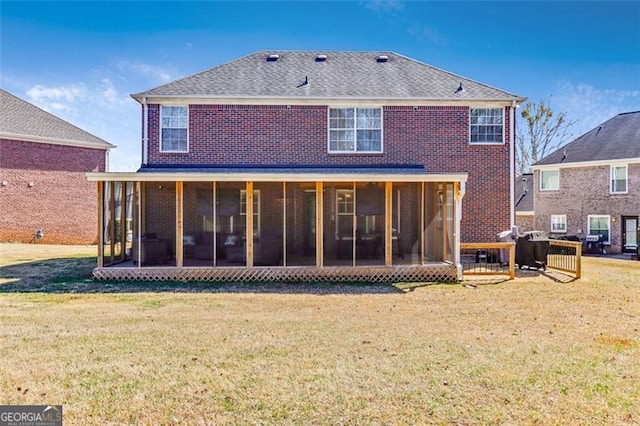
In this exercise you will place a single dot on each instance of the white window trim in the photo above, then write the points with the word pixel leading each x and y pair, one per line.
pixel 503 127
pixel 608 217
pixel 355 150
pixel 626 178
pixel 562 221
pixel 160 129
pixel 542 180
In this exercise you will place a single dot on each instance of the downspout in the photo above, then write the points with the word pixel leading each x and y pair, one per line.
pixel 458 220
pixel 145 130
pixel 512 163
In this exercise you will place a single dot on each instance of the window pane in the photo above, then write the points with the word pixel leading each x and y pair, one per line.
pixel 369 140
pixel 550 179
pixel 341 140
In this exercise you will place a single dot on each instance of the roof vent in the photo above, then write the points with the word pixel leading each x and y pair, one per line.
pixel 273 58
pixel 321 58
pixel 382 58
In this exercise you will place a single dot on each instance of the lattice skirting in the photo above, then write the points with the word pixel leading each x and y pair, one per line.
pixel 381 274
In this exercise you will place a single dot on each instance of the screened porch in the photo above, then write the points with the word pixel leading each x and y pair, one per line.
pixel 272 226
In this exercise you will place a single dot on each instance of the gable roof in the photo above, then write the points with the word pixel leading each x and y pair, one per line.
pixel 24 121
pixel 616 139
pixel 328 75
pixel 524 193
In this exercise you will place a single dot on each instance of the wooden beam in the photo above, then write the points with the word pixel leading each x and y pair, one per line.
pixel 319 224
pixel 388 223
pixel 179 224
pixel 100 224
pixel 249 224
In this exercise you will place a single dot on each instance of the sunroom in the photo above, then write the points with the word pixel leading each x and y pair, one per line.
pixel 385 224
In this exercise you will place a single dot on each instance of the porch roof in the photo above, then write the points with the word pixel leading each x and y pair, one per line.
pixel 266 173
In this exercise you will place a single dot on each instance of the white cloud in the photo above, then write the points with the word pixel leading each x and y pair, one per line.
pixel 43 95
pixel 426 34
pixel 385 6
pixel 591 106
pixel 153 72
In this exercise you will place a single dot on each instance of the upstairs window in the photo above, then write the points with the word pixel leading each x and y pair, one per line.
pixel 174 129
pixel 619 179
pixel 355 130
pixel 487 125
pixel 549 180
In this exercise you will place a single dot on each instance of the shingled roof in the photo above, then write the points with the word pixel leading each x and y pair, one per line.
pixel 23 121
pixel 328 75
pixel 615 139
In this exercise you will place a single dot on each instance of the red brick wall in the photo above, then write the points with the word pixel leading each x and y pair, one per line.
pixel 435 136
pixel 61 201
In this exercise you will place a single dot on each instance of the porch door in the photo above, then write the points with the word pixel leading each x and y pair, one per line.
pixel 629 233
pixel 309 223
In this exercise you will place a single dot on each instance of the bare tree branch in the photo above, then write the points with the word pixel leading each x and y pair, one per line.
pixel 541 131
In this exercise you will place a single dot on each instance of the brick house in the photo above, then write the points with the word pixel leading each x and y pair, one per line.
pixel 312 165
pixel 591 186
pixel 44 192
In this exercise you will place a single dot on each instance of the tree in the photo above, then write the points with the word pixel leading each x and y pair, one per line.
pixel 540 132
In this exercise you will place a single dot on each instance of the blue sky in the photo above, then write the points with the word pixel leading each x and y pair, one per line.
pixel 81 60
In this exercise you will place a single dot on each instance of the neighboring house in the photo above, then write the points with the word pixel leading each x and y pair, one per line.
pixel 524 202
pixel 44 193
pixel 299 165
pixel 591 186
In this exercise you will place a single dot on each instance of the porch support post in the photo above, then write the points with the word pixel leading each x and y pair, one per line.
pixel 459 191
pixel 179 225
pixel 100 224
pixel 388 216
pixel 142 225
pixel 249 225
pixel 319 224
pixel 123 220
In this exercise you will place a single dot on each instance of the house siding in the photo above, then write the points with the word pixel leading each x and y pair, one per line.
pixel 434 136
pixel 584 191
pixel 61 201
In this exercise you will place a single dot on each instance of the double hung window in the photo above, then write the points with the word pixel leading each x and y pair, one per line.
pixel 355 130
pixel 549 180
pixel 558 223
pixel 619 179
pixel 174 129
pixel 486 125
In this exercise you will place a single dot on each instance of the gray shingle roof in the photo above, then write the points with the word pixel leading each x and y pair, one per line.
pixel 524 193
pixel 615 139
pixel 340 75
pixel 19 118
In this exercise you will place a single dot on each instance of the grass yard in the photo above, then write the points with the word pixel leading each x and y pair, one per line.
pixel 541 349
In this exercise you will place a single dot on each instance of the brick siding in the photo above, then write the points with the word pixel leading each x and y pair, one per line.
pixel 61 201
pixel 584 191
pixel 434 136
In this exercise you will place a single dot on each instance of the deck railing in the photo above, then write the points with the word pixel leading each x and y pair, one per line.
pixel 565 256
pixel 488 258
pixel 500 258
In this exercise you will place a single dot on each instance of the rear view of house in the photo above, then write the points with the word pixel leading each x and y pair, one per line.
pixel 44 194
pixel 311 165
pixel 591 187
